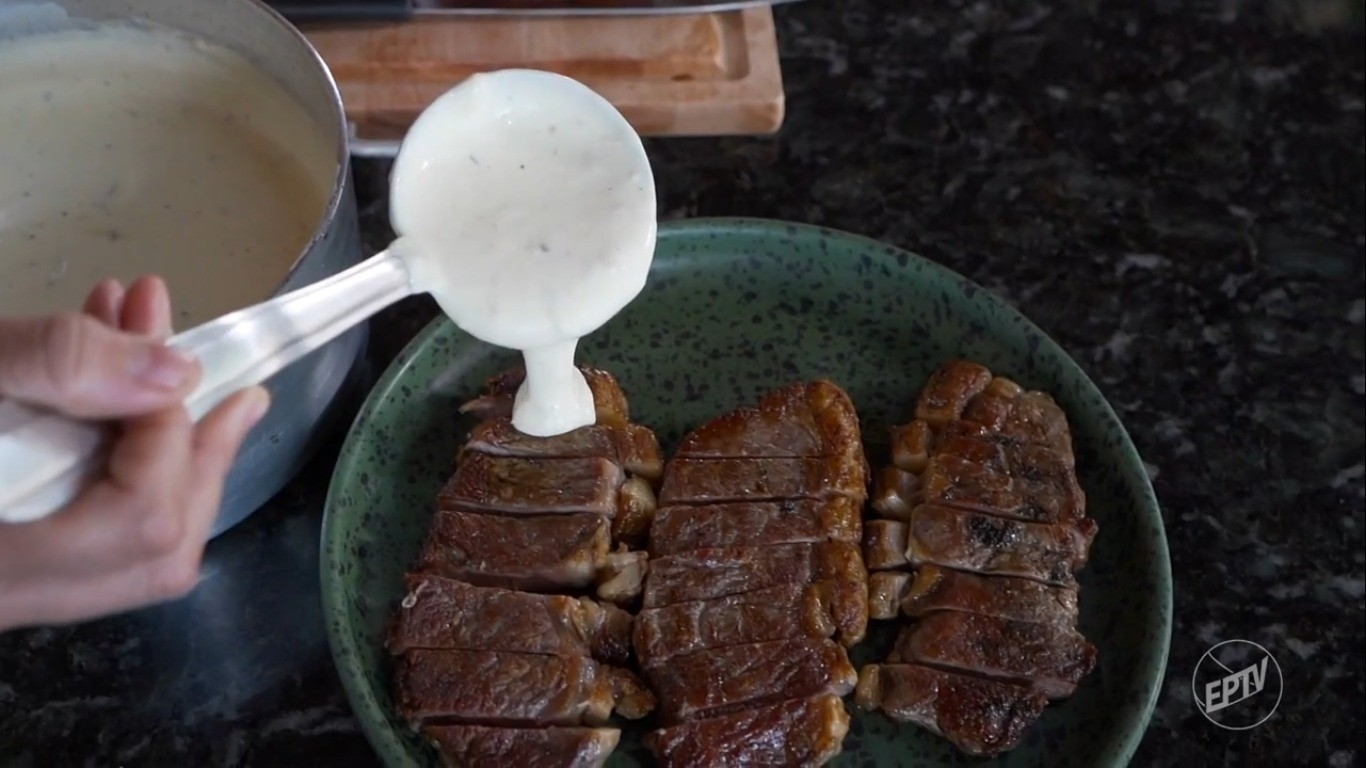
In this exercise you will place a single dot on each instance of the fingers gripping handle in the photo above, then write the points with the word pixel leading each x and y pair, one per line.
pixel 46 459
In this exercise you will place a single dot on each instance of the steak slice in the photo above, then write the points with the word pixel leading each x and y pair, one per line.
pixel 912 444
pixel 1052 657
pixel 515 689
pixel 949 391
pixel 1002 597
pixel 633 447
pixel 982 717
pixel 609 401
pixel 533 486
pixel 1039 489
pixel 536 554
pixel 971 541
pixel 885 592
pixel 965 391
pixel 993 404
pixel 636 508
pixel 805 419
pixel 736 677
pixel 622 576
pixel 1034 418
pixel 704 574
pixel 800 733
pixel 1041 492
pixel 982 500
pixel 884 544
pixel 754 524
pixel 461 746
pixel 440 613
pixel 776 613
pixel 710 481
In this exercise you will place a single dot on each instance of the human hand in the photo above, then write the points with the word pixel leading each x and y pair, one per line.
pixel 136 536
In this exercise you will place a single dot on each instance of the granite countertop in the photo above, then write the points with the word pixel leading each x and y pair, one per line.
pixel 1173 190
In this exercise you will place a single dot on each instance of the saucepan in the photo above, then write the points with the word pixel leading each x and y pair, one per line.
pixel 310 395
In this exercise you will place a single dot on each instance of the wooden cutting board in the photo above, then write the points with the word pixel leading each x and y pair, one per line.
pixel 695 75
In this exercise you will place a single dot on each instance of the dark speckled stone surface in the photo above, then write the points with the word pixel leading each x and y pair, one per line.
pixel 1175 193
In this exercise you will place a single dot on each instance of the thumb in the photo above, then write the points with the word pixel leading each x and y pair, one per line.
pixel 78 365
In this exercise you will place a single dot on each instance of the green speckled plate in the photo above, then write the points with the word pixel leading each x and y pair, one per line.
pixel 732 309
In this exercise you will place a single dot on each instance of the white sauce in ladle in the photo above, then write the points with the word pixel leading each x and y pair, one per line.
pixel 525 204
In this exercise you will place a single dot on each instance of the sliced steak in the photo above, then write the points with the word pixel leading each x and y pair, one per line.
pixel 884 544
pixel 1042 493
pixel 911 446
pixel 704 574
pixel 737 677
pixel 949 391
pixel 991 407
pixel 1036 418
pixel 799 733
pixel 634 447
pixel 463 746
pixel 638 451
pixel 533 486
pixel 636 508
pixel 1052 657
pixel 443 614
pixel 982 500
pixel 754 524
pixel 970 541
pixel 885 592
pixel 982 717
pixel 711 481
pixel 1004 597
pixel 805 419
pixel 515 689
pixel 536 554
pixel 622 577
pixel 776 613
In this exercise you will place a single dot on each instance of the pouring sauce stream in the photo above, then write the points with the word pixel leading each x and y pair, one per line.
pixel 525 205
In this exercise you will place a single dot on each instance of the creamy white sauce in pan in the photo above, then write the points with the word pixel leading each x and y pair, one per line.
pixel 525 205
pixel 127 151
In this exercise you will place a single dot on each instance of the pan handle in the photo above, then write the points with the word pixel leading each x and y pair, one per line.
pixel 329 11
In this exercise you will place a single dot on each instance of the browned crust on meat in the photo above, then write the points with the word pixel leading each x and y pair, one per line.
pixel 732 524
pixel 885 591
pixel 622 576
pixel 1052 657
pixel 714 481
pixel 467 746
pixel 635 512
pixel 776 613
pixel 730 679
pixel 1006 597
pixel 537 554
pixel 956 538
pixel 949 391
pixel 533 486
pixel 438 613
pixel 801 732
pixel 809 419
pixel 884 544
pixel 707 573
pixel 450 687
pixel 632 446
pixel 982 717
